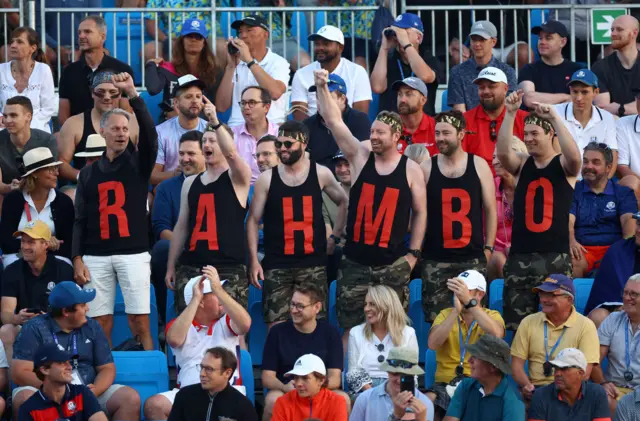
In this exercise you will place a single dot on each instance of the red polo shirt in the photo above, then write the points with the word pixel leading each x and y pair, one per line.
pixel 425 133
pixel 479 141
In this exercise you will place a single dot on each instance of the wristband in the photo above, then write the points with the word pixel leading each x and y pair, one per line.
pixel 214 128
pixel 407 46
pixel 335 238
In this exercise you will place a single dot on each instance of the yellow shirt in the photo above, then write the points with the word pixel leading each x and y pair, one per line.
pixel 448 355
pixel 528 342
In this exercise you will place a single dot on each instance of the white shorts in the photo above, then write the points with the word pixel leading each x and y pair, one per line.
pixel 131 271
pixel 102 399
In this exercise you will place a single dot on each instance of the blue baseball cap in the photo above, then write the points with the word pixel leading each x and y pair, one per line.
pixel 68 293
pixel 584 76
pixel 49 353
pixel 194 26
pixel 339 155
pixel 409 20
pixel 335 83
pixel 557 281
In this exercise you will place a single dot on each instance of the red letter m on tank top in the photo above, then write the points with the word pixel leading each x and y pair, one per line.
pixel 115 209
pixel 206 209
pixel 291 226
pixel 449 217
pixel 384 217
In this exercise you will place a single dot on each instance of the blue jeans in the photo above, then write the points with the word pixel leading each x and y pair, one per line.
pixel 159 258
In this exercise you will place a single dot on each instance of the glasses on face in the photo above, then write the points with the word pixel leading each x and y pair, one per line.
pixel 631 294
pixel 287 143
pixel 251 103
pixel 298 306
pixel 492 130
pixel 259 155
pixel 207 369
pixel 107 95
pixel 53 170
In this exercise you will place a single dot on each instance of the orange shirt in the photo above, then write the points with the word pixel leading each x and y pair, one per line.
pixel 326 405
pixel 425 133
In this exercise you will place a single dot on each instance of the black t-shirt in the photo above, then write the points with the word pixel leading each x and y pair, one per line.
pixel 285 344
pixel 617 80
pixel 194 403
pixel 549 79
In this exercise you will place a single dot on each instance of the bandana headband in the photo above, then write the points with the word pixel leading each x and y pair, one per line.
pixel 299 136
pixel 537 121
pixel 454 121
pixel 391 122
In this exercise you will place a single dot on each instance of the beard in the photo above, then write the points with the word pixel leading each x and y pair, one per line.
pixel 294 156
pixel 186 111
pixel 328 57
pixel 491 104
pixel 406 109
pixel 447 148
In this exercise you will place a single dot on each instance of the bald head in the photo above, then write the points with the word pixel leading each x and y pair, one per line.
pixel 624 33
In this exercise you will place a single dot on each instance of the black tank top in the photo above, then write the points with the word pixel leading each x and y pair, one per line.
pixel 216 224
pixel 294 232
pixel 79 163
pixel 378 217
pixel 454 215
pixel 541 208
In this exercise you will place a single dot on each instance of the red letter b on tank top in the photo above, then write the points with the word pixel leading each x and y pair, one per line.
pixel 206 209
pixel 449 217
pixel 547 205
pixel 291 226
pixel 384 217
pixel 114 209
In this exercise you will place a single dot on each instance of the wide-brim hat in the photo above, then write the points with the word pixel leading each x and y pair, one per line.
pixel 402 360
pixel 38 158
pixel 95 147
pixel 493 350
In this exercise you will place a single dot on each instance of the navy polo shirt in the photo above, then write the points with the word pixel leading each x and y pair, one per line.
pixel 78 404
pixel 91 344
pixel 469 402
pixel 598 215
pixel 547 405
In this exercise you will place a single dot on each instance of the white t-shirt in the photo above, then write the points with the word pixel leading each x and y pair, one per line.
pixel 169 134
pixel 354 75
pixel 628 135
pixel 276 67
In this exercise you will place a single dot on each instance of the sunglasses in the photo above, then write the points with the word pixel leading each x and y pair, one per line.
pixel 107 95
pixel 380 348
pixel 408 139
pixel 400 364
pixel 492 131
pixel 287 143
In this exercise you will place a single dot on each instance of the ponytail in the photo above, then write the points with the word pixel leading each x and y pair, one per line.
pixel 40 56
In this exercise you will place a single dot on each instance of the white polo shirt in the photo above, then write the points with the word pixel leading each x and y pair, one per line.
pixel 354 75
pixel 278 68
pixel 628 134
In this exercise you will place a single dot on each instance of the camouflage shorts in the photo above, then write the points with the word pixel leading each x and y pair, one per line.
pixel 237 285
pixel 522 273
pixel 278 288
pixel 435 294
pixel 354 280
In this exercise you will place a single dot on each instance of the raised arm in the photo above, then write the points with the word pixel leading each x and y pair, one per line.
pixel 531 96
pixel 508 158
pixel 274 85
pixel 224 94
pixel 177 333
pixel 240 319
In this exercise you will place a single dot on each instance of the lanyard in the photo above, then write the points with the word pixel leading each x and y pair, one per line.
pixel 402 71
pixel 27 211
pixel 465 344
pixel 75 347
pixel 627 354
pixel 546 343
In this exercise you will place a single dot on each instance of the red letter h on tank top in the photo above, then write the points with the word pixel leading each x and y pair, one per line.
pixel 449 217
pixel 384 217
pixel 114 209
pixel 291 226
pixel 206 207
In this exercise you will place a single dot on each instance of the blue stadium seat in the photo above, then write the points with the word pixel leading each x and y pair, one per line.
pixel 374 105
pixel 583 289
pixel 144 371
pixel 258 332
pixel 121 331
pixel 444 106
pixel 417 316
pixel 332 312
pixel 153 105
pixel 171 314
pixel 125 39
pixel 495 294
pixel 246 372
pixel 430 368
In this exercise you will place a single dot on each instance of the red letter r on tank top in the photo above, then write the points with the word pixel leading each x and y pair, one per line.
pixel 291 226
pixel 384 217
pixel 449 217
pixel 206 207
pixel 547 205
pixel 114 209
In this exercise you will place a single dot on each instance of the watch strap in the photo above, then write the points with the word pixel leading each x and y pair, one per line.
pixel 251 63
pixel 407 46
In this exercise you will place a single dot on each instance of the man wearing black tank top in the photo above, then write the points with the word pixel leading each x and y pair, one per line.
pixel 387 197
pixel 543 197
pixel 460 188
pixel 288 199
pixel 213 206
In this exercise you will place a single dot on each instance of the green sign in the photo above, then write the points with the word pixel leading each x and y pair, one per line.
pixel 601 20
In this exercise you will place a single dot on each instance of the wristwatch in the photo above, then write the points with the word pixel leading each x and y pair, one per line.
pixel 251 63
pixel 404 47
pixel 621 110
pixel 335 239
pixel 392 417
pixel 415 253
pixel 490 248
pixel 472 303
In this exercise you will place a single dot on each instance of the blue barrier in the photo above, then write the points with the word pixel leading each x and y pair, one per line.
pixel 583 289
pixel 430 367
pixel 246 372
pixel 121 331
pixel 144 371
pixel 258 332
pixel 417 316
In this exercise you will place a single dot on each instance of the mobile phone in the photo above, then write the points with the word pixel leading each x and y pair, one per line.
pixel 233 50
pixel 408 383
pixel 34 310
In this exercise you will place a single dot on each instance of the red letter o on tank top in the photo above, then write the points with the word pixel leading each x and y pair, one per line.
pixel 547 205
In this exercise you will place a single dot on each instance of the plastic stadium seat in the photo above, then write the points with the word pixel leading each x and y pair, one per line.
pixel 417 316
pixel 170 314
pixel 258 332
pixel 121 331
pixel 333 314
pixel 495 295
pixel 583 289
pixel 125 41
pixel 246 372
pixel 430 368
pixel 444 106
pixel 144 371
pixel 153 105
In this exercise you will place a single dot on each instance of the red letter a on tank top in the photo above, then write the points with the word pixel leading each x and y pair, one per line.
pixel 114 209
pixel 291 226
pixel 384 217
pixel 547 205
pixel 449 217
pixel 206 208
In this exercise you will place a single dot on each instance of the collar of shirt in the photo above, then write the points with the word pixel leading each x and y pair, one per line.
pixel 482 114
pixel 569 323
pixel 608 190
pixel 492 63
pixel 498 391
pixel 209 328
pixel 270 128
pixel 557 394
pixel 382 390
pixel 55 327
pixel 50 198
pixel 45 269
pixel 104 63
pixel 267 58
pixel 422 127
pixel 67 395
pixel 108 164
pixel 596 115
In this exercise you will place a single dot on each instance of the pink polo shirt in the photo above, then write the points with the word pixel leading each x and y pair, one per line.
pixel 246 145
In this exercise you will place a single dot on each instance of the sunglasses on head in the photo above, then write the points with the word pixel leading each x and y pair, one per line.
pixel 287 143
pixel 400 364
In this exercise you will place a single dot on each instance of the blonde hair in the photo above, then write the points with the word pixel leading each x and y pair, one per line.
pixel 518 145
pixel 29 183
pixel 390 311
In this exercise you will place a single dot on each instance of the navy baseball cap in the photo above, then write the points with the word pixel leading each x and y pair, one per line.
pixel 194 26
pixel 49 353
pixel 551 27
pixel 555 282
pixel 339 155
pixel 251 20
pixel 336 83
pixel 584 76
pixel 68 293
pixel 409 20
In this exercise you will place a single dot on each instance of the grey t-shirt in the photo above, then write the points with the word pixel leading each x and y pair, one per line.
pixel 9 154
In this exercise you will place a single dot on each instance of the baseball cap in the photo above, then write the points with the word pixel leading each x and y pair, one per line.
pixel 251 20
pixel 335 83
pixel 188 289
pixel 37 230
pixel 337 156
pixel 49 353
pixel 474 280
pixel 485 29
pixel 413 83
pixel 584 76
pixel 68 293
pixel 551 27
pixel 306 365
pixel 194 26
pixel 570 357
pixel 493 74
pixel 330 33
pixel 555 282
pixel 409 20
pixel 187 81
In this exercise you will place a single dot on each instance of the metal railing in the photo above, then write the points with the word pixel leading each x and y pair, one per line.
pixel 5 17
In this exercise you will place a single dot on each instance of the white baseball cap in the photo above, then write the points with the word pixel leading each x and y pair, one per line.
pixel 306 365
pixel 330 33
pixel 493 74
pixel 188 289
pixel 570 357
pixel 474 280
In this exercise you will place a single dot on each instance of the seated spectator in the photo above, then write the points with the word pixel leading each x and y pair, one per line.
pixel 322 145
pixel 627 409
pixel 417 153
pixel 28 74
pixel 69 328
pixel 255 104
pixel 197 329
pixel 570 396
pixel 328 46
pixel 547 332
pixel 486 393
pixel 462 94
pixel 386 327
pixel 253 64
pixel 330 213
pixel 485 120
pixel 601 212
pixel 619 73
pixel 628 136
pixel 358 23
pixel 545 81
pixel 191 55
pixel 28 281
pixel 617 334
pixel 403 54
pixel 310 336
pixel 213 398
pixel 58 394
pixel 187 100
pixel 310 396
pixel 417 127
